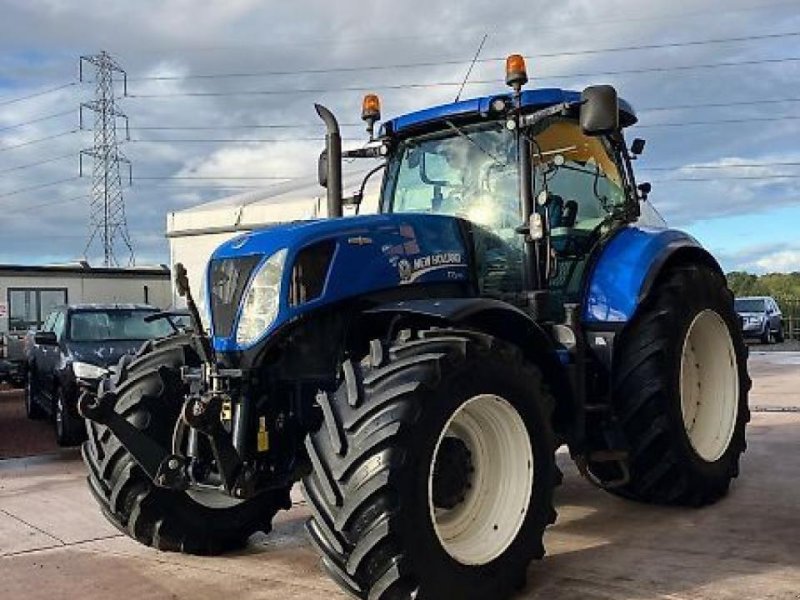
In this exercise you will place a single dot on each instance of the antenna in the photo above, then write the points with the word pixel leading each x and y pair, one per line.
pixel 107 219
pixel 471 66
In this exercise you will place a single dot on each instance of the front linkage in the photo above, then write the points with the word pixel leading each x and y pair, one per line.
pixel 202 413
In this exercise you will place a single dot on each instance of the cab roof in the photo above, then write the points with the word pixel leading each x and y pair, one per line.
pixel 474 107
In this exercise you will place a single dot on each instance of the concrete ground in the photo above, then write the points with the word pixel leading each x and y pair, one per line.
pixel 54 544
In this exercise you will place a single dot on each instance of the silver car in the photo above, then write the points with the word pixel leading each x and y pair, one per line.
pixel 761 318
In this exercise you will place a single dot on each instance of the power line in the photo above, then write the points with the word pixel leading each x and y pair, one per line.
pixel 37 94
pixel 717 104
pixel 774 119
pixel 719 166
pixel 362 87
pixel 733 177
pixel 578 24
pixel 751 165
pixel 38 120
pixel 37 163
pixel 422 64
pixel 51 203
pixel 321 139
pixel 37 187
pixel 36 141
pixel 217 177
pixel 255 126
pixel 236 140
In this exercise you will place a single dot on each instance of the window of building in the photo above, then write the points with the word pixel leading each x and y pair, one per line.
pixel 28 307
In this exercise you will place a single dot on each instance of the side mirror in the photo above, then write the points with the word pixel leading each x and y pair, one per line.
pixel 322 169
pixel 599 110
pixel 45 338
pixel 644 189
pixel 637 146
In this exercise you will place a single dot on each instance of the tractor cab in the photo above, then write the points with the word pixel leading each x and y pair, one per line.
pixel 540 176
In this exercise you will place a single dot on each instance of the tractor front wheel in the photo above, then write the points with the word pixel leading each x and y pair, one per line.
pixel 150 393
pixel 433 470
pixel 680 391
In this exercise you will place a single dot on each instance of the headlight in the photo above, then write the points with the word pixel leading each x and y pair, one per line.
pixel 260 306
pixel 84 370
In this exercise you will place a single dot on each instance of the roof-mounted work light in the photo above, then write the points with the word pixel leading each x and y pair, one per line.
pixel 371 112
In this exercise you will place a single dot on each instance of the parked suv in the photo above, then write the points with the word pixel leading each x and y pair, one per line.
pixel 761 318
pixel 76 346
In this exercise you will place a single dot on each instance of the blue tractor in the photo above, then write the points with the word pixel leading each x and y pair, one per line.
pixel 417 369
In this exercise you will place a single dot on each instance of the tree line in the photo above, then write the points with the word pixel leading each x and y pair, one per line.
pixel 784 287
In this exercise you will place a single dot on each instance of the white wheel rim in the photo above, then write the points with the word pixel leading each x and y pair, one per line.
pixel 486 522
pixel 709 385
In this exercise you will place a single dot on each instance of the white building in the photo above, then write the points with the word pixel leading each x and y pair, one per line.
pixel 195 233
pixel 28 293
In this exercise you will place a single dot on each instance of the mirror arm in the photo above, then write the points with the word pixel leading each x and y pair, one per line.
pixel 557 109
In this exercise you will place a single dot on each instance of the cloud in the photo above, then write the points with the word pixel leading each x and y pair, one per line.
pixel 777 257
pixel 42 40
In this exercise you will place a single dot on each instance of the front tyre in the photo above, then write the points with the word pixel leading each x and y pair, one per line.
pixel 150 393
pixel 680 391
pixel 433 470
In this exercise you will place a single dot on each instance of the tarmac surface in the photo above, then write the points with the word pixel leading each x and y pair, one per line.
pixel 54 543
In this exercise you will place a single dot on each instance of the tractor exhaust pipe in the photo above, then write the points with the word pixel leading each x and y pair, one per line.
pixel 333 162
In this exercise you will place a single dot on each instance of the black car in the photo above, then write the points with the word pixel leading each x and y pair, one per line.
pixel 761 318
pixel 76 346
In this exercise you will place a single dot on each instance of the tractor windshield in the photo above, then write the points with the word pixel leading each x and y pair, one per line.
pixel 469 172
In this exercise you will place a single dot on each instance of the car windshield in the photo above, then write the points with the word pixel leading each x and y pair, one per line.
pixel 116 324
pixel 749 305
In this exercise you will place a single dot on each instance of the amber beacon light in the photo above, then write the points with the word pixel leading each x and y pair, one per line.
pixel 516 72
pixel 371 112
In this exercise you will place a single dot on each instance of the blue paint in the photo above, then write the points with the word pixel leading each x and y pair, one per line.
pixel 617 277
pixel 372 253
pixel 475 107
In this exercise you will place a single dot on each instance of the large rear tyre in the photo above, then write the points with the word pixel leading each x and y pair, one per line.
pixel 680 391
pixel 433 470
pixel 150 393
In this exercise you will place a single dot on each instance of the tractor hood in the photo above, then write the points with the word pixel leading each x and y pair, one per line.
pixel 327 261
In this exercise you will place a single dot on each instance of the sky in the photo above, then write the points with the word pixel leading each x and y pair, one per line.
pixel 716 85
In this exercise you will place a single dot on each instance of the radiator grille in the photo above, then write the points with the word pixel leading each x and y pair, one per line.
pixel 228 278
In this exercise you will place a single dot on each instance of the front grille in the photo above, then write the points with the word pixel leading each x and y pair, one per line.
pixel 228 278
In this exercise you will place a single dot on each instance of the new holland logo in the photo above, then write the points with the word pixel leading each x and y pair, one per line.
pixel 411 270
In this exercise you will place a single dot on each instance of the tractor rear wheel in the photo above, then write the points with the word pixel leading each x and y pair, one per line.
pixel 433 470
pixel 150 394
pixel 680 391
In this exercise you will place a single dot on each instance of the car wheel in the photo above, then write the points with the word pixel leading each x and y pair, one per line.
pixel 766 337
pixel 69 428
pixel 780 337
pixel 33 409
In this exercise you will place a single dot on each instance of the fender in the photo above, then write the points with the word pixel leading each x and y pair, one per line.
pixel 627 268
pixel 504 321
